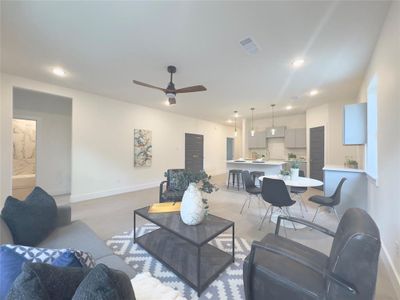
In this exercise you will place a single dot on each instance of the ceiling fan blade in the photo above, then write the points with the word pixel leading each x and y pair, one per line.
pixel 190 89
pixel 149 85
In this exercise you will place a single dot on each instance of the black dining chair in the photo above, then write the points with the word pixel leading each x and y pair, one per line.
pixel 330 201
pixel 275 192
pixel 251 189
pixel 297 191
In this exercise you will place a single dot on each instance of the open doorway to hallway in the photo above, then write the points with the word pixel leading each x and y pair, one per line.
pixel 42 134
pixel 24 157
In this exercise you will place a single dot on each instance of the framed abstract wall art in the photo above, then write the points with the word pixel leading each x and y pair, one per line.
pixel 142 148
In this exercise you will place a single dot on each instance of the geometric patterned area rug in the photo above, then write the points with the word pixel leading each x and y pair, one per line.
pixel 229 284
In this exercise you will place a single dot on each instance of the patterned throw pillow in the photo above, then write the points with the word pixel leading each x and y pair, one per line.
pixel 43 255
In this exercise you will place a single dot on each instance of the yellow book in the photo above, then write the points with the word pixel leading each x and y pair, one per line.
pixel 165 207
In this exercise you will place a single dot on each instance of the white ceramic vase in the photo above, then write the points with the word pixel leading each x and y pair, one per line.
pixel 192 206
pixel 294 173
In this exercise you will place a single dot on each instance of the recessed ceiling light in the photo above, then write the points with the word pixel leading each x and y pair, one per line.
pixel 289 107
pixel 229 121
pixel 59 71
pixel 298 63
pixel 313 92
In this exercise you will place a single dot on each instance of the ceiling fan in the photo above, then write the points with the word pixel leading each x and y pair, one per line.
pixel 170 91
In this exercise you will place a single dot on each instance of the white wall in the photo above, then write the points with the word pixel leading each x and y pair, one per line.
pixel 102 141
pixel 383 196
pixel 54 129
pixel 330 115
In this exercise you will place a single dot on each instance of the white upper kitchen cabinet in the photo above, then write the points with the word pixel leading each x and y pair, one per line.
pixel 257 141
pixel 279 132
pixel 355 124
pixel 295 138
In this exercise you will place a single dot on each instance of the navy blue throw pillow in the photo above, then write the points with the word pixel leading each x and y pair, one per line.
pixel 32 220
pixel 10 267
pixel 67 259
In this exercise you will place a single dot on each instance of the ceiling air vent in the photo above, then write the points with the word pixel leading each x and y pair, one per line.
pixel 249 45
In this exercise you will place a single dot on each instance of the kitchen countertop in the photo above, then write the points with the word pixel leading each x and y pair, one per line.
pixel 267 162
pixel 342 169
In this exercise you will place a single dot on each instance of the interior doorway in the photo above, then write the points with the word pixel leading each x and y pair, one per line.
pixel 50 166
pixel 194 152
pixel 317 153
pixel 230 144
pixel 24 157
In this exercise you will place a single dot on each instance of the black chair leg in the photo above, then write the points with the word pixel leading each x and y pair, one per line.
pixel 229 178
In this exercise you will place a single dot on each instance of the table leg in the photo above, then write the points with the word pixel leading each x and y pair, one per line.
pixel 233 243
pixel 198 271
pixel 134 228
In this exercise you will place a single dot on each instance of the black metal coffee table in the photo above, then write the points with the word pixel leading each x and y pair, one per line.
pixel 185 249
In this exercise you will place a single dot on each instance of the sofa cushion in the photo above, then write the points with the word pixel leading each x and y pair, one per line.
pixel 10 267
pixel 77 235
pixel 105 284
pixel 32 220
pixel 39 281
pixel 115 262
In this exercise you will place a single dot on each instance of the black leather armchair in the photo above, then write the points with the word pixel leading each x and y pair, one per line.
pixel 279 268
pixel 170 189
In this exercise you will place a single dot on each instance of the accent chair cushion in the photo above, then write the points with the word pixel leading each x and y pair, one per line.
pixel 176 180
pixel 105 284
pixel 32 220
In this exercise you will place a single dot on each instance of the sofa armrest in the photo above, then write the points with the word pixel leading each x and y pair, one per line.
pixel 63 215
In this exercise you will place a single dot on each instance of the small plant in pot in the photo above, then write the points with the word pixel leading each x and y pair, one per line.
pixel 194 206
pixel 285 173
pixel 294 170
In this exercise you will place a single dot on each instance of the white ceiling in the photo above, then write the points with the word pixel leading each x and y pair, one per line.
pixel 104 45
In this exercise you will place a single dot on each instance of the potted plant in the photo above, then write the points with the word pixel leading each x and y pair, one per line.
pixel 285 173
pixel 194 206
pixel 351 163
pixel 294 170
pixel 291 156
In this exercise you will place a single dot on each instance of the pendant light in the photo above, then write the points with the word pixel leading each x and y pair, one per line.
pixel 236 116
pixel 252 132
pixel 273 130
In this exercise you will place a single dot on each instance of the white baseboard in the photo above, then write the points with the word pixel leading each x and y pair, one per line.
pixel 393 274
pixel 112 192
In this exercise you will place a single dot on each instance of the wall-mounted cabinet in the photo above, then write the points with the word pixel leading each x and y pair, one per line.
pixel 279 132
pixel 257 141
pixel 355 124
pixel 295 138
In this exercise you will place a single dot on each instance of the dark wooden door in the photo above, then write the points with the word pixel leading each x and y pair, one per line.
pixel 317 153
pixel 194 152
pixel 229 148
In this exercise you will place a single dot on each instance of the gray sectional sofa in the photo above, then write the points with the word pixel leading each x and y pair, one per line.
pixel 75 235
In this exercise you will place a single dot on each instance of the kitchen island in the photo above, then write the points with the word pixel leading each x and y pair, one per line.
pixel 269 167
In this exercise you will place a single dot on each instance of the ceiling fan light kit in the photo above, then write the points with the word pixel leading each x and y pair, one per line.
pixel 170 91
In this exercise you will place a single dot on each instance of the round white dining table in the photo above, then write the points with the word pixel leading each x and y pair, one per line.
pixel 295 182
